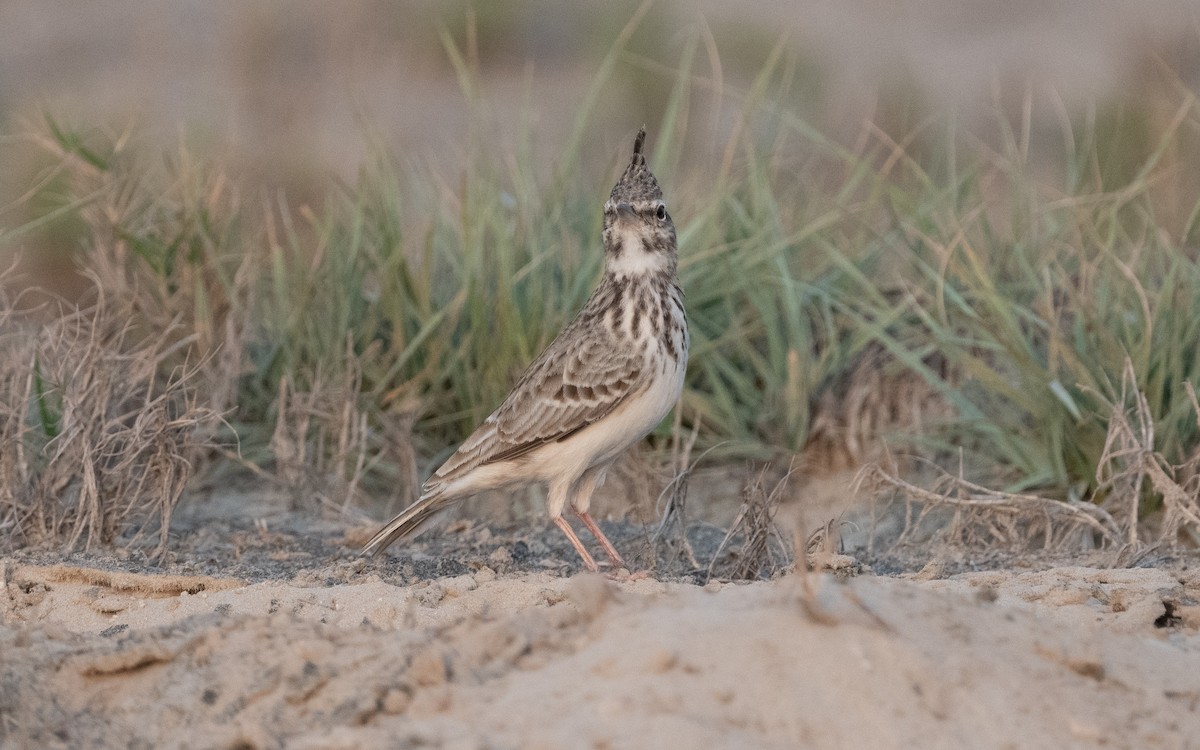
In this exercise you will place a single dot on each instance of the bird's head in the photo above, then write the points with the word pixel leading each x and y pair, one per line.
pixel 639 236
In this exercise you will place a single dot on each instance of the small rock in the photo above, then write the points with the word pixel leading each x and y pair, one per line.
pixel 459 585
pixel 431 595
pixel 520 551
pixel 485 575
pixel 933 570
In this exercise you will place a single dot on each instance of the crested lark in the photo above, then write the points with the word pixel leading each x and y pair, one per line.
pixel 607 380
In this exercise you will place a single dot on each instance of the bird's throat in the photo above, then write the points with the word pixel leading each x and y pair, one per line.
pixel 635 258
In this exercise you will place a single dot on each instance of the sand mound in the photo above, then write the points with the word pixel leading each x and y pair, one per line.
pixel 1065 657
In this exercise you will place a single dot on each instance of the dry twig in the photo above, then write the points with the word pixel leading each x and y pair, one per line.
pixel 763 550
pixel 1004 517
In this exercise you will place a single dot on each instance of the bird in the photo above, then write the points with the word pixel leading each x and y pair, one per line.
pixel 606 380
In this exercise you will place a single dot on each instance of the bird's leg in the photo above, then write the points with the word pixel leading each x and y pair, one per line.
pixel 588 562
pixel 609 549
pixel 581 498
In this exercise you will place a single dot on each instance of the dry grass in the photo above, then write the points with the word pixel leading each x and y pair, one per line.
pixel 983 517
pixel 1131 468
pixel 763 552
pixel 169 248
pixel 671 534
pixel 320 442
pixel 838 296
pixel 1113 517
pixel 96 443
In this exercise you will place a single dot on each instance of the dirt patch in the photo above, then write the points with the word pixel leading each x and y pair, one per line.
pixel 272 633
pixel 539 660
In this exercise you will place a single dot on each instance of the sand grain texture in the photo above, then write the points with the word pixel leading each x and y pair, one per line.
pixel 1068 657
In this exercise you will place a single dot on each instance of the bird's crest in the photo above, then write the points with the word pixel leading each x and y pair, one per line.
pixel 637 183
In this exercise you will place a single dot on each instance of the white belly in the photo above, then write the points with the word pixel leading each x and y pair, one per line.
pixel 603 441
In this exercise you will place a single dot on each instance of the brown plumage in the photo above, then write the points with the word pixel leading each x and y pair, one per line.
pixel 602 384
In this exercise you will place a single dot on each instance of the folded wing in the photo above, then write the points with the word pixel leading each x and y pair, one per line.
pixel 564 391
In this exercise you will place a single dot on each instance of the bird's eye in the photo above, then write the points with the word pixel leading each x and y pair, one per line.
pixel 661 212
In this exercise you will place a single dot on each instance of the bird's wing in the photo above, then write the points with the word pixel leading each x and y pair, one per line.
pixel 574 383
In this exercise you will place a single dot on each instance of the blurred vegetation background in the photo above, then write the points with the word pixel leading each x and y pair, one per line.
pixel 960 233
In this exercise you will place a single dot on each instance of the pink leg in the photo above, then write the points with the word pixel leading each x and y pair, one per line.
pixel 588 562
pixel 609 549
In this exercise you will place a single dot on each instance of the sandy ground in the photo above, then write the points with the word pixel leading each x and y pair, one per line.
pixel 257 638
pixel 275 635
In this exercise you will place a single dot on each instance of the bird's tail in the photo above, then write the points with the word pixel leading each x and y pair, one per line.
pixel 408 522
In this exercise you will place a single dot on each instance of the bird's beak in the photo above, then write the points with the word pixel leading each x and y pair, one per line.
pixel 625 212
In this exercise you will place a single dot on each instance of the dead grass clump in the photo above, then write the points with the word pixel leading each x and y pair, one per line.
pixel 172 246
pixel 671 534
pixel 321 442
pixel 1140 502
pixel 334 444
pixel 983 517
pixel 1131 467
pixel 96 444
pixel 763 552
